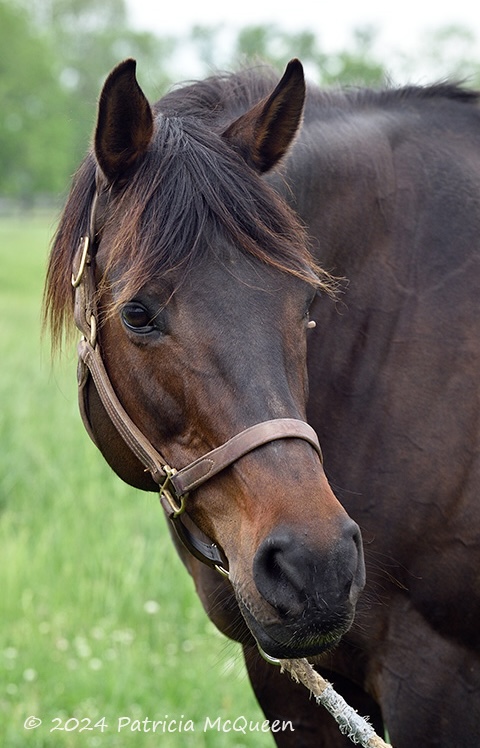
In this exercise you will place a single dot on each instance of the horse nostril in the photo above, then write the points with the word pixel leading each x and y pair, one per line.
pixel 357 581
pixel 278 573
pixel 351 557
pixel 291 576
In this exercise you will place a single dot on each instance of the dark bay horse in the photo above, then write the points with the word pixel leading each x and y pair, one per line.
pixel 195 231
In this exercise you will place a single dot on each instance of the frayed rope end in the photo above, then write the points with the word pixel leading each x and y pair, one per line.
pixel 351 724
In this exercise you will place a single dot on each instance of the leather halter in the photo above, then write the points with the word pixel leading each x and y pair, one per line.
pixel 174 485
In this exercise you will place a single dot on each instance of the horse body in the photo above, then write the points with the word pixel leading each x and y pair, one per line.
pixel 399 363
pixel 199 347
pixel 395 396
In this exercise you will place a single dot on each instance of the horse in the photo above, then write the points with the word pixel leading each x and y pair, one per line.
pixel 203 238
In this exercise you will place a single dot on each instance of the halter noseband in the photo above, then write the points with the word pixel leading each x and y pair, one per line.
pixel 174 485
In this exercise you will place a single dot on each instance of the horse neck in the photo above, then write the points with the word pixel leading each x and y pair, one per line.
pixel 342 177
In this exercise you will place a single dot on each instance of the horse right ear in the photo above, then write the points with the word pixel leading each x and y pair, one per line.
pixel 264 134
pixel 124 125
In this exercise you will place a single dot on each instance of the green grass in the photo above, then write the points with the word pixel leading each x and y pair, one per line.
pixel 98 616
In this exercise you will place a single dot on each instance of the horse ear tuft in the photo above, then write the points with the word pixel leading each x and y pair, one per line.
pixel 264 134
pixel 124 125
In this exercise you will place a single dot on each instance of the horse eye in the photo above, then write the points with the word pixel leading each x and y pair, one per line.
pixel 137 318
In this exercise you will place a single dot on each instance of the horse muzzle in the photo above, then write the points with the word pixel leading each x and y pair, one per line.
pixel 304 598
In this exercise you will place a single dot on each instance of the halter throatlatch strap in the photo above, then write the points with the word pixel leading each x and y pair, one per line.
pixel 174 485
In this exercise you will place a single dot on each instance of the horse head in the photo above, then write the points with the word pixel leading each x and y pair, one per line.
pixel 202 285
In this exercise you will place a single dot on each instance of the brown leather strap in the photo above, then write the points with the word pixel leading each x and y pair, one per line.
pixel 130 433
pixel 201 470
pixel 198 472
pixel 196 542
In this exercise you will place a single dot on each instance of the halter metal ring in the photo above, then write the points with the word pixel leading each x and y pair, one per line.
pixel 76 279
pixel 166 492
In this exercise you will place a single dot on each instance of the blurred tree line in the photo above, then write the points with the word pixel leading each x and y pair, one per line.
pixel 56 54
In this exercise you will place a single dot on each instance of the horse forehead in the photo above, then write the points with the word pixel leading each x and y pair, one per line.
pixel 238 282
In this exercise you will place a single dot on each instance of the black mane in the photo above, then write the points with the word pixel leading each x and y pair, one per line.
pixel 219 98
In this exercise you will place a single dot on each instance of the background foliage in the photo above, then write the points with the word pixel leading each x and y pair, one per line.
pixel 98 616
pixel 56 53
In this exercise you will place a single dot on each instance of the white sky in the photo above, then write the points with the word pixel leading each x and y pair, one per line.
pixel 402 25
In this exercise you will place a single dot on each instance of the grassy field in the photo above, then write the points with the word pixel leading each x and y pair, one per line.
pixel 98 617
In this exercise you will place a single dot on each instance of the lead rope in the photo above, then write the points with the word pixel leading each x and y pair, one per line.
pixel 350 723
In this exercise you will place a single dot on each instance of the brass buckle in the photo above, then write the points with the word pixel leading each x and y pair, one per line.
pixel 76 279
pixel 222 570
pixel 93 330
pixel 167 491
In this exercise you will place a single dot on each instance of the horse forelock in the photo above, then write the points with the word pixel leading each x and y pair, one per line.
pixel 190 191
pixel 193 192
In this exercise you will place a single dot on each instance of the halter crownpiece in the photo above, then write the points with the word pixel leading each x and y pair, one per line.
pixel 174 485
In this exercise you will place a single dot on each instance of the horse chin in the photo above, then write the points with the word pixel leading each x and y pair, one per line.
pixel 290 641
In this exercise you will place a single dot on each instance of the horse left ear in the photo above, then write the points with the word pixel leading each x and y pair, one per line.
pixel 264 134
pixel 124 125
